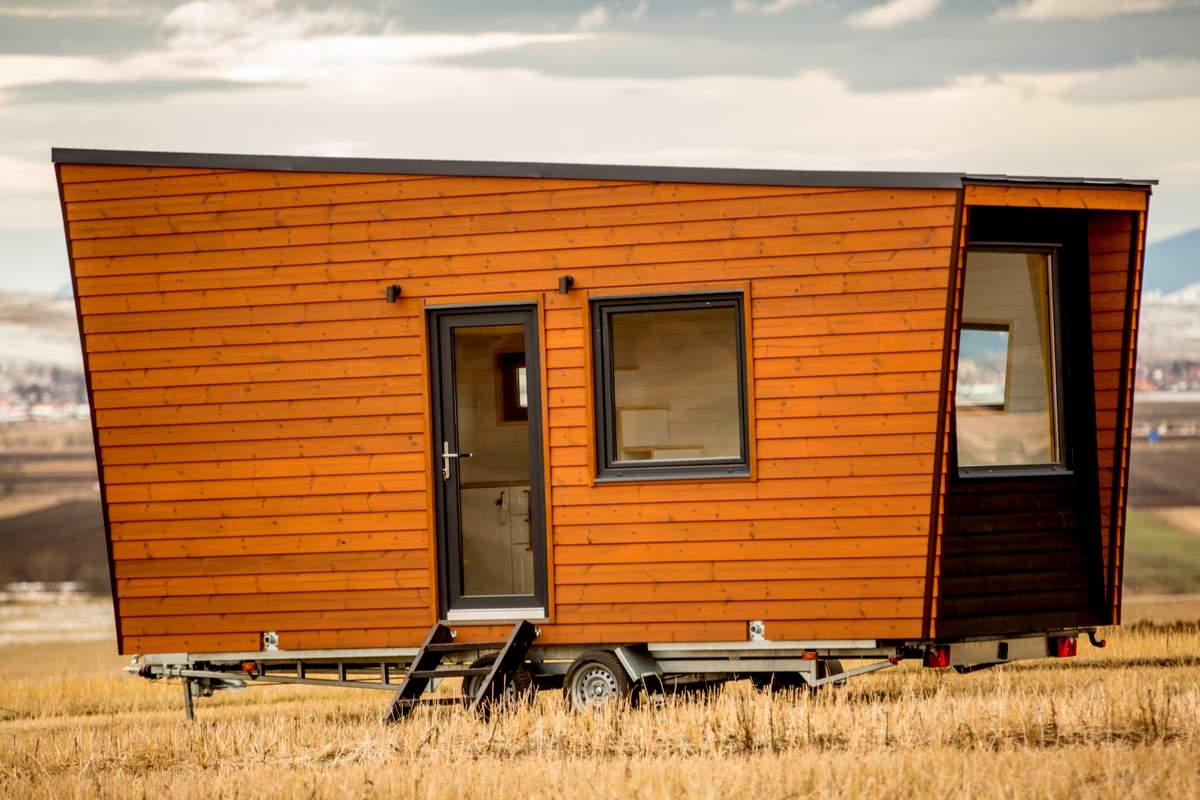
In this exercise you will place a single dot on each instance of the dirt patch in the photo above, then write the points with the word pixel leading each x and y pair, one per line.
pixel 1186 518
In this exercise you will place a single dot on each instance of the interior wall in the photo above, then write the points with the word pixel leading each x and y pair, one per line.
pixel 499 450
pixel 676 384
pixel 1000 288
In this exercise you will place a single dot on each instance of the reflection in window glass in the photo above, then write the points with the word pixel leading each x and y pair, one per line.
pixel 982 366
pixel 1005 394
pixel 676 384
pixel 513 389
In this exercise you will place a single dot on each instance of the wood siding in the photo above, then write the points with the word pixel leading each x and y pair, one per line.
pixel 1116 299
pixel 1026 554
pixel 262 413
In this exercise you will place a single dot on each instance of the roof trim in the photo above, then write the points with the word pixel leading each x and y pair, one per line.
pixel 1050 181
pixel 519 169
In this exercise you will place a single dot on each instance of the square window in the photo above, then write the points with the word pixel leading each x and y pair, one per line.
pixel 670 387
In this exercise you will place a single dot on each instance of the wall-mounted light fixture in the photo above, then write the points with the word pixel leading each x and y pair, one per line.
pixel 393 292
pixel 565 283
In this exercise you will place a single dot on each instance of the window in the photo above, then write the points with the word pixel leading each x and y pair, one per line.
pixel 514 387
pixel 983 366
pixel 670 387
pixel 1007 392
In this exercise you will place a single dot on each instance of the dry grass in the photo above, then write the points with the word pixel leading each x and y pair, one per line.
pixel 1119 722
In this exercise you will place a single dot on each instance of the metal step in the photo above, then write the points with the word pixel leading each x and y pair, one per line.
pixel 424 668
pixel 463 647
pixel 449 672
pixel 434 701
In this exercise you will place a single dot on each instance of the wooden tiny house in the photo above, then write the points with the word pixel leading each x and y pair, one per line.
pixel 870 407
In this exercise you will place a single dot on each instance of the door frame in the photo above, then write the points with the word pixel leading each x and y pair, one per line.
pixel 441 322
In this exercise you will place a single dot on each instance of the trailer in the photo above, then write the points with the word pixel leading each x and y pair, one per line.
pixel 619 429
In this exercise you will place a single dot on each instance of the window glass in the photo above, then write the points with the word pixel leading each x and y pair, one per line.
pixel 983 366
pixel 513 388
pixel 673 381
pixel 1006 400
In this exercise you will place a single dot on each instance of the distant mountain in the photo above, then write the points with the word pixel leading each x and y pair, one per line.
pixel 1173 264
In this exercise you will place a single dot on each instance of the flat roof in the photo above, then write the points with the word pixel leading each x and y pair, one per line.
pixel 615 172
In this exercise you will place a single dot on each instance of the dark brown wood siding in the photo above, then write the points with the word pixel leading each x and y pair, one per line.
pixel 1037 553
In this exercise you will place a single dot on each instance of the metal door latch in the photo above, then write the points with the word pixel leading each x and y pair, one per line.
pixel 446 456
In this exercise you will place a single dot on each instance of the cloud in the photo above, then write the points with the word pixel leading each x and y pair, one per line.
pixel 1084 9
pixel 594 18
pixel 599 16
pixel 893 13
pixel 209 44
pixel 1144 81
pixel 119 90
pixel 227 24
pixel 71 12
pixel 767 8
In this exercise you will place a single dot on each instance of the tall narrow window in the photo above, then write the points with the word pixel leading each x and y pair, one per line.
pixel 1007 395
pixel 670 387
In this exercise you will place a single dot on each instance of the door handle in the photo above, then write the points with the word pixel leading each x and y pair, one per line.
pixel 446 456
pixel 503 508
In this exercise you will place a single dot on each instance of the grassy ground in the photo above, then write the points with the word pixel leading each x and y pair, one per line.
pixel 1119 722
pixel 1160 556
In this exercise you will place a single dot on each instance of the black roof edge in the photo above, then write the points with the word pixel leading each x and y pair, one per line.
pixel 513 169
pixel 1049 181
pixel 519 169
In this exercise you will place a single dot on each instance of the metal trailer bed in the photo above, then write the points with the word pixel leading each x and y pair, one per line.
pixel 650 669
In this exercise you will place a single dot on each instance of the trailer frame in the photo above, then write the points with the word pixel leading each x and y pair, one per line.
pixel 655 668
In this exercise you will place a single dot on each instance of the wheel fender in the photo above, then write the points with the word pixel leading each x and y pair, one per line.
pixel 639 664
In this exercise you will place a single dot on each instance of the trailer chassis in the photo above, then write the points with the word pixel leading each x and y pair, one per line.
pixel 651 668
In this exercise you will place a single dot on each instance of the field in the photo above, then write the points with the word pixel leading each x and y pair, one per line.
pixel 1118 722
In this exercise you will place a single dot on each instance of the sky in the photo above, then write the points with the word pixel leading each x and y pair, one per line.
pixel 1044 87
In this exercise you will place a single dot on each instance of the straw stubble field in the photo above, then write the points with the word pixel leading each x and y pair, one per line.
pixel 1119 722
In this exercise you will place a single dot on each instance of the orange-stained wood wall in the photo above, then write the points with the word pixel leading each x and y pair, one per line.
pixel 263 414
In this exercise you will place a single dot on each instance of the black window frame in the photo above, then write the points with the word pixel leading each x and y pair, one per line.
pixel 1062 465
pixel 608 468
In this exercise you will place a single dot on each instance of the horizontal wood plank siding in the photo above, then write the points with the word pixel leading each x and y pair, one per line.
pixel 261 409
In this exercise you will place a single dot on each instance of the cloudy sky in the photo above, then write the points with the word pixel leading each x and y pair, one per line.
pixel 1060 87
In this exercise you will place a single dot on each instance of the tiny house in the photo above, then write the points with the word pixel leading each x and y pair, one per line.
pixel 337 401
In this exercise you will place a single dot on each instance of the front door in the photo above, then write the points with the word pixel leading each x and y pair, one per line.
pixel 487 463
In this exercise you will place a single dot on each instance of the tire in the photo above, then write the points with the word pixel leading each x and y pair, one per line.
pixel 827 668
pixel 776 681
pixel 597 678
pixel 522 685
pixel 783 681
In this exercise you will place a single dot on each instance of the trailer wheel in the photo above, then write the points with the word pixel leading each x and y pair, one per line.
pixel 828 667
pixel 597 678
pixel 776 681
pixel 782 681
pixel 522 685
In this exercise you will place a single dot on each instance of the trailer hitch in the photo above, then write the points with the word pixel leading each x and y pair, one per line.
pixel 1096 642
